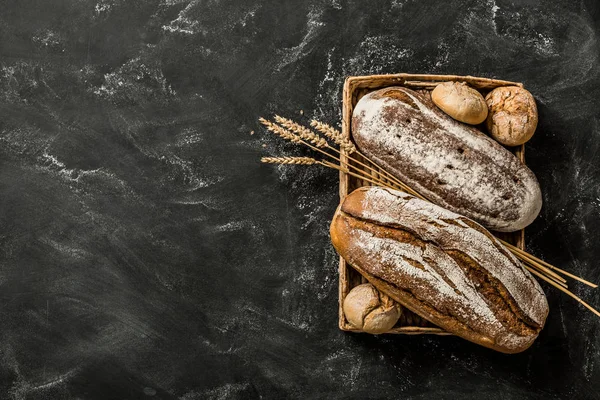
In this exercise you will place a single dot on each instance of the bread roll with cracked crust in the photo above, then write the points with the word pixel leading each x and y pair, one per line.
pixel 452 164
pixel 442 266
pixel 512 116
pixel 370 310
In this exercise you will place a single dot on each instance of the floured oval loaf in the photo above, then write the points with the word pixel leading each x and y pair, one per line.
pixel 442 266
pixel 452 164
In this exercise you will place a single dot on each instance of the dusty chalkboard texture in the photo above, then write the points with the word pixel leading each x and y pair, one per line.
pixel 144 251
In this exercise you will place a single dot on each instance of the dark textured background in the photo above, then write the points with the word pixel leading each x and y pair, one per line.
pixel 144 251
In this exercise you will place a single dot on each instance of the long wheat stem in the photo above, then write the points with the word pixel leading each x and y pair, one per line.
pixel 537 267
pixel 345 144
pixel 299 134
pixel 335 166
pixel 311 161
pixel 289 160
pixel 569 293
pixel 523 255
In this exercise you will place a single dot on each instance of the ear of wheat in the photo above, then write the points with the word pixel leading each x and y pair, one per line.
pixel 334 135
pixel 281 132
pixel 303 132
pixel 289 160
pixel 372 173
pixel 299 134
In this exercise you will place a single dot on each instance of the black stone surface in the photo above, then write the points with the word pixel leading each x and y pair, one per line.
pixel 145 253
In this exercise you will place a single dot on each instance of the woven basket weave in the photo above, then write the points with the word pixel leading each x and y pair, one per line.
pixel 354 88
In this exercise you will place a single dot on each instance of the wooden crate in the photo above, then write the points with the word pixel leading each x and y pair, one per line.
pixel 354 88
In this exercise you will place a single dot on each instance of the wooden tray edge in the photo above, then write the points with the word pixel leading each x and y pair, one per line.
pixel 415 80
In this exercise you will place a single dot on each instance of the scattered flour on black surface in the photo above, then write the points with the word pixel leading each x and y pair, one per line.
pixel 145 252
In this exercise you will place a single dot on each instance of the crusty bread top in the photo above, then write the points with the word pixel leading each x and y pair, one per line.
pixel 452 164
pixel 465 280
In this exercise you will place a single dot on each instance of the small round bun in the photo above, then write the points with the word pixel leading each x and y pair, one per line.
pixel 461 102
pixel 370 310
pixel 513 116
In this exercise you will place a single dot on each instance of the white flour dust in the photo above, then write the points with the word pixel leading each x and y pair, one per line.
pixel 313 26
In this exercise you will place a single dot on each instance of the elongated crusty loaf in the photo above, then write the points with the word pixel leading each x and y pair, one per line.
pixel 442 266
pixel 450 163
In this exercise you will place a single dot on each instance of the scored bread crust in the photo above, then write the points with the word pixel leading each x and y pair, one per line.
pixel 442 266
pixel 450 163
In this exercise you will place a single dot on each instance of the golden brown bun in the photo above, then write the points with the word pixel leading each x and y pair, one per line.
pixel 512 116
pixel 461 102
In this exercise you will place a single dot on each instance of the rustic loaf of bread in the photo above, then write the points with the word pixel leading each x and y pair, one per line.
pixel 450 163
pixel 440 265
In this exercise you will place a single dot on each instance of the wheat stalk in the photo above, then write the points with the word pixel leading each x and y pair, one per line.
pixel 345 144
pixel 289 160
pixel 317 140
pixel 283 133
pixel 311 161
pixel 313 137
pixel 301 131
pixel 334 135
pixel 299 134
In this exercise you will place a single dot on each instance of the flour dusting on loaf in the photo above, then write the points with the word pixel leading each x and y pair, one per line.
pixel 450 269
pixel 450 163
pixel 451 290
pixel 448 230
pixel 452 285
